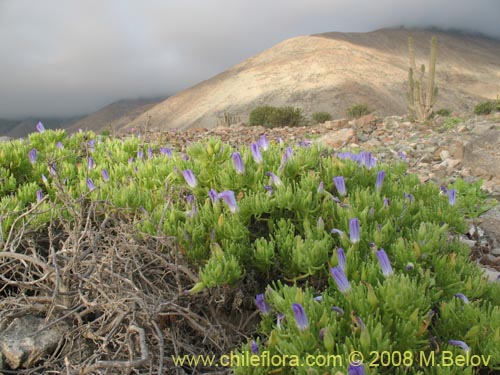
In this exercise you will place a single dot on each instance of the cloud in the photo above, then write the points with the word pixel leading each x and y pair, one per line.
pixel 64 57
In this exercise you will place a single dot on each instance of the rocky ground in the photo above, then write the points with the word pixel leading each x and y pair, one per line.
pixel 441 151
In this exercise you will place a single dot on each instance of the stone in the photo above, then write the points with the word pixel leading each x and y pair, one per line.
pixel 26 341
pixel 339 138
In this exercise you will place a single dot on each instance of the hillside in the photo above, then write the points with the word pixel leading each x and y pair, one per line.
pixel 332 71
pixel 115 115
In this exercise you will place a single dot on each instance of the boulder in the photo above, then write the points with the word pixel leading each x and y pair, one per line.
pixel 339 138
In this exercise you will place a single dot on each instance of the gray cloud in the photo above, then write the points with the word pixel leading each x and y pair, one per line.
pixel 62 57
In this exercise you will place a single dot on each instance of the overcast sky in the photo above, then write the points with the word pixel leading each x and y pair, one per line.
pixel 66 57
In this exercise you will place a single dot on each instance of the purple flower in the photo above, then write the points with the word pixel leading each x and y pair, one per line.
pixel 280 140
pixel 338 310
pixel 354 230
pixel 44 179
pixel 286 156
pixel 105 175
pixel 52 169
pixel 254 347
pixel 336 231
pixel 39 195
pixel 387 202
pixel 273 179
pixel 40 127
pixel 340 185
pixel 257 156
pixel 238 162
pixel 166 151
pixel 229 198
pixel 356 369
pixel 321 188
pixel 367 160
pixel 150 153
pixel 59 145
pixel 130 160
pixel 461 344
pixel 32 154
pixel 410 267
pixel 90 163
pixel 140 154
pixel 269 189
pixel 189 177
pixel 452 197
pixel 380 180
pixel 340 279
pixel 341 258
pixel 90 184
pixel 91 144
pixel 261 303
pixel 402 155
pixel 190 199
pixel 443 189
pixel 213 195
pixel 462 297
pixel 279 319
pixel 300 316
pixel 262 142
pixel 318 298
pixel 385 264
pixel 410 197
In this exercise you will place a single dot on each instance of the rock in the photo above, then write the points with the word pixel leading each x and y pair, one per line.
pixel 444 154
pixel 339 138
pixel 489 222
pixel 492 275
pixel 335 124
pixel 26 341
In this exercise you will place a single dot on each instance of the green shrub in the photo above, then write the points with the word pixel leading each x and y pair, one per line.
pixel 484 108
pixel 321 117
pixel 285 231
pixel 444 112
pixel 358 110
pixel 269 117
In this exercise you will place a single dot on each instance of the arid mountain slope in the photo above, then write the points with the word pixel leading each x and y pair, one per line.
pixel 332 71
pixel 115 115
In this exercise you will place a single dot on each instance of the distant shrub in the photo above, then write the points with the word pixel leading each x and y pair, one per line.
pixel 106 133
pixel 484 108
pixel 321 117
pixel 444 112
pixel 358 110
pixel 269 117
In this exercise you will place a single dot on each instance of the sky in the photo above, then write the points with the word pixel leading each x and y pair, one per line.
pixel 70 57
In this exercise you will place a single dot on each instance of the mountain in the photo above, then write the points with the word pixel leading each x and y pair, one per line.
pixel 333 71
pixel 115 115
pixel 22 127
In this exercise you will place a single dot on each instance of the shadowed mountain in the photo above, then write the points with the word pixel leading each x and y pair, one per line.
pixel 115 115
pixel 333 71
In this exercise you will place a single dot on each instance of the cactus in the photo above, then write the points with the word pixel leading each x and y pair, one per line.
pixel 420 102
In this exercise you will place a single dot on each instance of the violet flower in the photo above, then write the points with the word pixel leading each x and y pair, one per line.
pixel 105 175
pixel 410 197
pixel 39 127
pixel 190 178
pixel 300 316
pixel 460 344
pixel 340 279
pixel 91 144
pixel 367 160
pixel 354 230
pixel 387 202
pixel 279 319
pixel 341 258
pixel 32 154
pixel 90 163
pixel 254 347
pixel 213 195
pixel 356 369
pixel 257 156
pixel 338 310
pixel 90 184
pixel 39 195
pixel 336 231
pixel 140 154
pixel 44 179
pixel 402 155
pixel 452 197
pixel 380 180
pixel 166 151
pixel 340 185
pixel 229 199
pixel 269 189
pixel 238 162
pixel 262 304
pixel 318 298
pixel 385 264
pixel 52 169
pixel 273 179
pixel 262 142
pixel 59 145
pixel 462 297
pixel 321 188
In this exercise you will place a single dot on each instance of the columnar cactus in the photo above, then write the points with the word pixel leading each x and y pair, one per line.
pixel 420 102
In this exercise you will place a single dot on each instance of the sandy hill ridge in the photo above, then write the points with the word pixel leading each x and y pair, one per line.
pixel 332 71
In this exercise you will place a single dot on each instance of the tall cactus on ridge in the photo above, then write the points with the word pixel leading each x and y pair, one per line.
pixel 420 102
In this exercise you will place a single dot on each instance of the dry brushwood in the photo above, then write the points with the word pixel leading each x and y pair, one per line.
pixel 121 291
